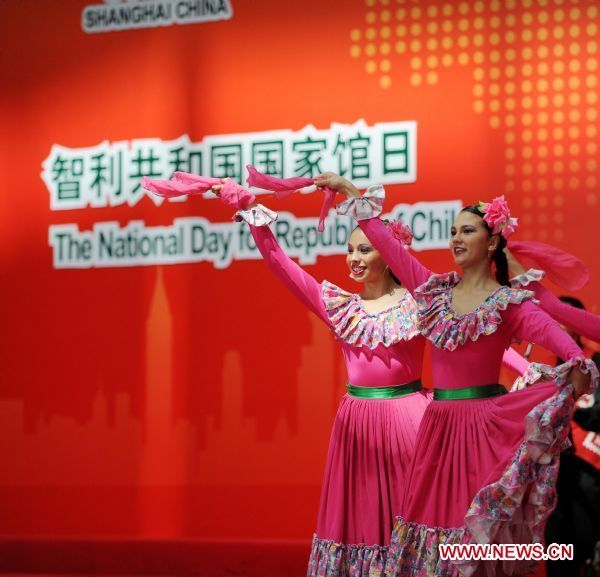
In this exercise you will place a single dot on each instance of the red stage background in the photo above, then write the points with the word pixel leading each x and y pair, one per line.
pixel 184 401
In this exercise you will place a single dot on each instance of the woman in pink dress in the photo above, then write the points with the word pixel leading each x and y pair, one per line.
pixel 373 435
pixel 485 463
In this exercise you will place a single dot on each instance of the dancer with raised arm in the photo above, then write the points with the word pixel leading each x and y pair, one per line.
pixel 485 463
pixel 373 435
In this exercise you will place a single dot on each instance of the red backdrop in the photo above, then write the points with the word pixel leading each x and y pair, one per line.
pixel 185 401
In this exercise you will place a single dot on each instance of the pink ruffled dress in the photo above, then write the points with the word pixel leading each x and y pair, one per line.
pixel 484 469
pixel 373 439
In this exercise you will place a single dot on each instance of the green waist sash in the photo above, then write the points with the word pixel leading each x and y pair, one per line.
pixel 479 392
pixel 384 392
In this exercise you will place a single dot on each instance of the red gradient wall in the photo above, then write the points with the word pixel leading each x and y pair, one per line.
pixel 185 401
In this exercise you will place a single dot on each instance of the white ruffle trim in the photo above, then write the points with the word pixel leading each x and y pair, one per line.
pixel 369 205
pixel 526 278
pixel 258 215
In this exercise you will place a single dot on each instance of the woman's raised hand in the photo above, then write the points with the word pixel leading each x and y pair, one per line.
pixel 337 183
pixel 216 188
pixel 233 195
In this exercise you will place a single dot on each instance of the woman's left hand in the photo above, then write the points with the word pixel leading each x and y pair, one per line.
pixel 338 183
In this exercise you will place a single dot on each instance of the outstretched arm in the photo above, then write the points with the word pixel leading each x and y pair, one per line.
pixel 529 322
pixel 581 321
pixel 294 277
pixel 365 209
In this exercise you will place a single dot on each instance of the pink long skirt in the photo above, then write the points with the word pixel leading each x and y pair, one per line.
pixel 484 472
pixel 370 451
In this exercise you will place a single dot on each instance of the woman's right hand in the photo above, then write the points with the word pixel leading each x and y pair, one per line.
pixel 216 188
pixel 338 183
pixel 240 199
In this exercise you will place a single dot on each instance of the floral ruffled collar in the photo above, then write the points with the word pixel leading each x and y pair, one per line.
pixel 444 327
pixel 355 325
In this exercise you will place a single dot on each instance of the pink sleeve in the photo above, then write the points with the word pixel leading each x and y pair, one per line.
pixel 299 282
pixel 532 324
pixel 514 361
pixel 405 267
pixel 583 322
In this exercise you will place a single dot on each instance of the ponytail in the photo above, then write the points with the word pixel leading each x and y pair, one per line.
pixel 501 263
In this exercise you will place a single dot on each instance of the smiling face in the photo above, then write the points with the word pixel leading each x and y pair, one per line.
pixel 470 240
pixel 364 262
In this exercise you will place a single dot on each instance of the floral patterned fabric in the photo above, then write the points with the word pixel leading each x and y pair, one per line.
pixel 414 550
pixel 527 486
pixel 356 326
pixel 447 329
pixel 330 559
pixel 537 372
pixel 512 509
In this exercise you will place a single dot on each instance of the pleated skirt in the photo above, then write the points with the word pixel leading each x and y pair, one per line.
pixel 370 451
pixel 484 471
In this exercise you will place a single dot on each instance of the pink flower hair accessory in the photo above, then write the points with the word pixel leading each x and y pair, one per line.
pixel 497 216
pixel 401 232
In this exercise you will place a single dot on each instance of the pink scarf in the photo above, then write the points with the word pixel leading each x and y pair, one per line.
pixel 283 187
pixel 561 267
pixel 182 183
pixel 233 194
